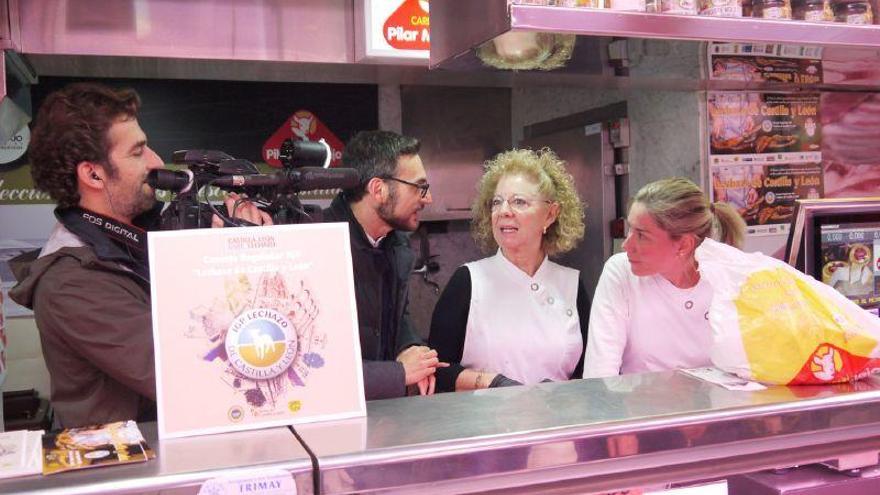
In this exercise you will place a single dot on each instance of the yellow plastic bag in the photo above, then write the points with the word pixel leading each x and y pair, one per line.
pixel 774 324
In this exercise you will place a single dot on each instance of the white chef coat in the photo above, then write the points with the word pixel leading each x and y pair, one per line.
pixel 526 328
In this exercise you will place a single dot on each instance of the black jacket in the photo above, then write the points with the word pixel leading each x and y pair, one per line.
pixel 381 278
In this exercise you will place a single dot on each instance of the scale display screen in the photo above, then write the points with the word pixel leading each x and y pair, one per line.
pixel 849 260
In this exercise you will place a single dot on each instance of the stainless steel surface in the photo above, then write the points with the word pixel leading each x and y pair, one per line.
pixel 701 28
pixel 182 465
pixel 463 25
pixel 594 434
pixel 456 28
pixel 572 437
pixel 656 50
pixel 9 35
pixel 301 31
pixel 806 480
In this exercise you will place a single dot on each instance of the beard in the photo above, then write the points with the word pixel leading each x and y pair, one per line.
pixel 131 203
pixel 386 213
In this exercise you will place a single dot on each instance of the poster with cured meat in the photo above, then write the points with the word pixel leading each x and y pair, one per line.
pixel 765 62
pixel 747 127
pixel 765 194
pixel 851 144
pixel 254 327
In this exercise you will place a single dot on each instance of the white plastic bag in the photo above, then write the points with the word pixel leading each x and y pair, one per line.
pixel 774 324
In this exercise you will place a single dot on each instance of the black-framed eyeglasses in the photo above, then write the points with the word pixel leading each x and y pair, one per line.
pixel 423 188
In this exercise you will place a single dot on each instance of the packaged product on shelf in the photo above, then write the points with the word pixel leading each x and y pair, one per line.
pixel 813 10
pixel 721 8
pixel 631 5
pixel 771 9
pixel 593 4
pixel 853 12
pixel 679 7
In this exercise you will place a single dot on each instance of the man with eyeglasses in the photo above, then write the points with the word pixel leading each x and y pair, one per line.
pixel 393 190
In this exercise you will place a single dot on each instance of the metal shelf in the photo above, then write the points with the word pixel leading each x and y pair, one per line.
pixel 457 27
pixel 593 22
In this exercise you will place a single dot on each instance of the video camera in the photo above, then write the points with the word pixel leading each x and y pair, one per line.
pixel 274 193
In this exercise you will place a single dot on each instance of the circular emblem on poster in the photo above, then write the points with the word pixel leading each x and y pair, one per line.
pixel 16 146
pixel 12 151
pixel 261 343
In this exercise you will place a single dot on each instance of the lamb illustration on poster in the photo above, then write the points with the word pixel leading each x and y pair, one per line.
pixel 256 329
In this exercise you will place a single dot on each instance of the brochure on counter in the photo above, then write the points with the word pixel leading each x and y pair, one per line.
pixel 94 446
pixel 20 453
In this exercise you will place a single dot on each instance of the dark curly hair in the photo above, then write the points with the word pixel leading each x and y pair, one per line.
pixel 71 127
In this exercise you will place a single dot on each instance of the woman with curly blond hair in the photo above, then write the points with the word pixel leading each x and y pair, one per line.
pixel 516 317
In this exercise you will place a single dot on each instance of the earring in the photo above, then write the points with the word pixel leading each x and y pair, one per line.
pixel 545 230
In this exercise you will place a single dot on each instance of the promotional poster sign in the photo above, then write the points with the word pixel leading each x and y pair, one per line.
pixel 16 185
pixel 303 125
pixel 764 195
pixel 764 128
pixel 765 62
pixel 254 327
pixel 393 29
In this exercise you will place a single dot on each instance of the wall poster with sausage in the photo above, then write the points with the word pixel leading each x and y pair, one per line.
pixel 765 194
pixel 764 153
pixel 765 62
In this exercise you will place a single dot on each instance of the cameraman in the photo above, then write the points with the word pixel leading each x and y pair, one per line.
pixel 89 287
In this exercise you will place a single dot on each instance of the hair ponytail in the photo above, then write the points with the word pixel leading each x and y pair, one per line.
pixel 727 226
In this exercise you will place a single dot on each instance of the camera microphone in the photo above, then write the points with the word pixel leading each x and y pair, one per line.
pixel 300 179
pixel 308 178
pixel 179 181
pixel 189 157
pixel 314 152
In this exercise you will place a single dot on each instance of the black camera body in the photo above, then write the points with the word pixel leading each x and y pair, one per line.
pixel 274 193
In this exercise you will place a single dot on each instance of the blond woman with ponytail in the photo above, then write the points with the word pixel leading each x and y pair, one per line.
pixel 650 309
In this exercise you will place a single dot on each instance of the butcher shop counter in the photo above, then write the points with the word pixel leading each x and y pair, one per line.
pixel 582 436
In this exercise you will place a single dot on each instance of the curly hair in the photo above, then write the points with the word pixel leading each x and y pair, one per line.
pixel 71 127
pixel 554 182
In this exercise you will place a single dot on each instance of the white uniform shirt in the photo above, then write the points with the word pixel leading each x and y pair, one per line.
pixel 526 328
pixel 640 324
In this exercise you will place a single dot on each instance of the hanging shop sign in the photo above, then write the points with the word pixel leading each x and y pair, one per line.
pixel 393 30
pixel 303 125
pixel 255 330
pixel 765 62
